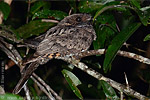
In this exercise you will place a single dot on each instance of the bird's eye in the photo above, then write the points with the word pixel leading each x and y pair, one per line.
pixel 78 19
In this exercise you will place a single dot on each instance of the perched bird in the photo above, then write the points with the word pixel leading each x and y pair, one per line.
pixel 72 35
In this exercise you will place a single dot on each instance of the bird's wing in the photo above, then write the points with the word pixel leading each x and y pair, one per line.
pixel 33 43
pixel 69 41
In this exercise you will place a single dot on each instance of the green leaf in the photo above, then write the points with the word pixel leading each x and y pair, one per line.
pixel 5 9
pixel 109 91
pixel 73 82
pixel 144 15
pixel 9 96
pixel 147 37
pixel 93 64
pixel 71 76
pixel 117 42
pixel 34 93
pixel 105 27
pixel 135 3
pixel 53 14
pixel 38 5
pixel 33 28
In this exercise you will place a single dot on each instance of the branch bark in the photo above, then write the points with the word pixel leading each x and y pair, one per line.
pixel 8 1
pixel 97 75
pixel 120 53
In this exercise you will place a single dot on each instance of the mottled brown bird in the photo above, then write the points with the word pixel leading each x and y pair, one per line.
pixel 73 34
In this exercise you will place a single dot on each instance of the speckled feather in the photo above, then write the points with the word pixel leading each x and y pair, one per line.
pixel 72 35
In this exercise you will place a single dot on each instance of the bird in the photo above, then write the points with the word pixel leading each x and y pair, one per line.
pixel 73 34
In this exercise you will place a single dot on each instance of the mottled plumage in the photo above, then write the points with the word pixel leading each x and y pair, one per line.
pixel 72 35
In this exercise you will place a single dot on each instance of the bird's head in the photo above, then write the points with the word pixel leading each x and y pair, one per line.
pixel 76 19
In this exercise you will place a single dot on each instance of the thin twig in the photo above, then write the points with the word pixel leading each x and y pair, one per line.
pixel 43 89
pixel 9 53
pixel 27 92
pixel 2 91
pixel 70 11
pixel 121 95
pixel 47 87
pixel 50 21
pixel 6 33
pixel 28 10
pixel 134 56
pixel 127 83
pixel 1 17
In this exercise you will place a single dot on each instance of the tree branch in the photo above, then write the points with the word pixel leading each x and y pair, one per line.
pixel 48 88
pixel 95 74
pixel 134 56
pixel 43 89
pixel 121 53
pixel 8 1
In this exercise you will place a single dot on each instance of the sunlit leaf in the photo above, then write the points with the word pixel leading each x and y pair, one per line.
pixel 72 77
pixel 147 38
pixel 5 9
pixel 145 8
pixel 117 42
pixel 9 96
pixel 144 15
pixel 73 82
pixel 109 91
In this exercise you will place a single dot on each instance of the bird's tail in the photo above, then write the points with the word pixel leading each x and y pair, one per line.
pixel 25 76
